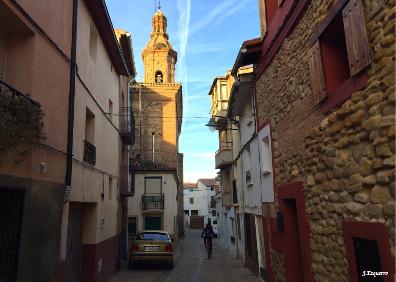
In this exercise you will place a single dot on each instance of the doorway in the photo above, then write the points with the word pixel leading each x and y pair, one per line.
pixel 152 223
pixel 296 232
pixel 74 246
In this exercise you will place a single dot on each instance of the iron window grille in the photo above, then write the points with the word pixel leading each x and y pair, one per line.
pixel 89 153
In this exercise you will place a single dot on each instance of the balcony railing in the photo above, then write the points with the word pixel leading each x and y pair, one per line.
pixel 223 156
pixel 6 89
pixel 127 125
pixel 153 202
pixel 89 153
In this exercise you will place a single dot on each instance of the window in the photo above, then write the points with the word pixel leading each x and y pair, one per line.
pixel 159 77
pixel 153 185
pixel 93 41
pixel 213 212
pixel 266 161
pixel 194 212
pixel 110 188
pixel 340 52
pixel 367 248
pixel 191 200
pixel 223 96
pixel 110 110
pixel 89 147
pixel 89 126
pixel 186 212
pixel 334 54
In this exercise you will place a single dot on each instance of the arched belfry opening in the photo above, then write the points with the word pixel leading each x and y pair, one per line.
pixel 159 78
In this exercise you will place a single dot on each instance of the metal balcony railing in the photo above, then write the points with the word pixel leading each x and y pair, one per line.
pixel 153 202
pixel 6 89
pixel 224 146
pixel 127 125
pixel 89 153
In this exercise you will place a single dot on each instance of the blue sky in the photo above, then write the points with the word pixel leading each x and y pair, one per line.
pixel 207 35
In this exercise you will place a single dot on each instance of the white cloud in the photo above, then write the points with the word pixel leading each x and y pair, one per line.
pixel 218 12
pixel 184 9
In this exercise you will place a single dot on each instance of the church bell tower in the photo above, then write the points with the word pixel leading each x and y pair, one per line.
pixel 159 58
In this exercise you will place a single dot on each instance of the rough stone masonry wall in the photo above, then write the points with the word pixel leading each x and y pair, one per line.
pixel 346 159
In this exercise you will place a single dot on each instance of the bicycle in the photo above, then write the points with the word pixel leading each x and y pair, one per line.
pixel 209 246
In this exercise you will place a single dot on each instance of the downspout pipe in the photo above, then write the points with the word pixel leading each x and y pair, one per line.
pixel 72 94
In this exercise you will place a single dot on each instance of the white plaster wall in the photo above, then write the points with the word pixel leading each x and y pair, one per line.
pixel 252 193
pixel 169 188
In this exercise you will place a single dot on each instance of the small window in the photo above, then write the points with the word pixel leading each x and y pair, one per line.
pixel 266 161
pixel 159 77
pixel 110 188
pixel 339 55
pixel 194 212
pixel 186 212
pixel 110 110
pixel 334 54
pixel 89 126
pixel 191 200
pixel 214 214
pixel 93 41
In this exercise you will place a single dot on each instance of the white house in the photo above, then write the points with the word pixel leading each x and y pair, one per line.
pixel 199 199
pixel 153 205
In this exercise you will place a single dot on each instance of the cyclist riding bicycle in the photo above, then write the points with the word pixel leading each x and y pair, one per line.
pixel 207 235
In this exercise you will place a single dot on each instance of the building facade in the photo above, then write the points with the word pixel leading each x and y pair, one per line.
pixel 324 94
pixel 34 79
pixel 93 238
pixel 199 200
pixel 64 191
pixel 224 160
pixel 157 105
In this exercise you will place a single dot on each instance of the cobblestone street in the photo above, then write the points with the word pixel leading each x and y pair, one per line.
pixel 191 264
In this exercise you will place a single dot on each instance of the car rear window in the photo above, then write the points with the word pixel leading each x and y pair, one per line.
pixel 154 236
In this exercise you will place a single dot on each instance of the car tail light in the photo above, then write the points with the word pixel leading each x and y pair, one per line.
pixel 168 248
pixel 135 247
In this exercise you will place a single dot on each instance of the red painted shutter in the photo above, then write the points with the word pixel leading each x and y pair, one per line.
pixel 358 45
pixel 316 72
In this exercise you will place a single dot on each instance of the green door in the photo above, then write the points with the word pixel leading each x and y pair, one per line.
pixel 152 223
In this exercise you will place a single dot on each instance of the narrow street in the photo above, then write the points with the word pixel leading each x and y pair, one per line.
pixel 191 264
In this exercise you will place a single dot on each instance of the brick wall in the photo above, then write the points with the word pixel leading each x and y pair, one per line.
pixel 346 158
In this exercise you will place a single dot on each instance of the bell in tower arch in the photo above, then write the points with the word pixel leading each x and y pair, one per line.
pixel 159 77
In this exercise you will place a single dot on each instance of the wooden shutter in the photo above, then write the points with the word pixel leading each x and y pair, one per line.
pixel 358 45
pixel 3 57
pixel 316 73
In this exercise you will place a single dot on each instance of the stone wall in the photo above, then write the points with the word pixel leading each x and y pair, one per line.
pixel 346 159
pixel 158 115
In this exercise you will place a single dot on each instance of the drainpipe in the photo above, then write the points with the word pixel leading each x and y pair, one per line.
pixel 72 90
pixel 153 137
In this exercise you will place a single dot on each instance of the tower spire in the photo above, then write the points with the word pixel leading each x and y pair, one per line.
pixel 159 4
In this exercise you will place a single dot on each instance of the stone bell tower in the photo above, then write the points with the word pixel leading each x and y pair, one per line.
pixel 159 58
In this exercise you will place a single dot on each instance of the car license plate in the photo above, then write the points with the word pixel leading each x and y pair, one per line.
pixel 151 248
